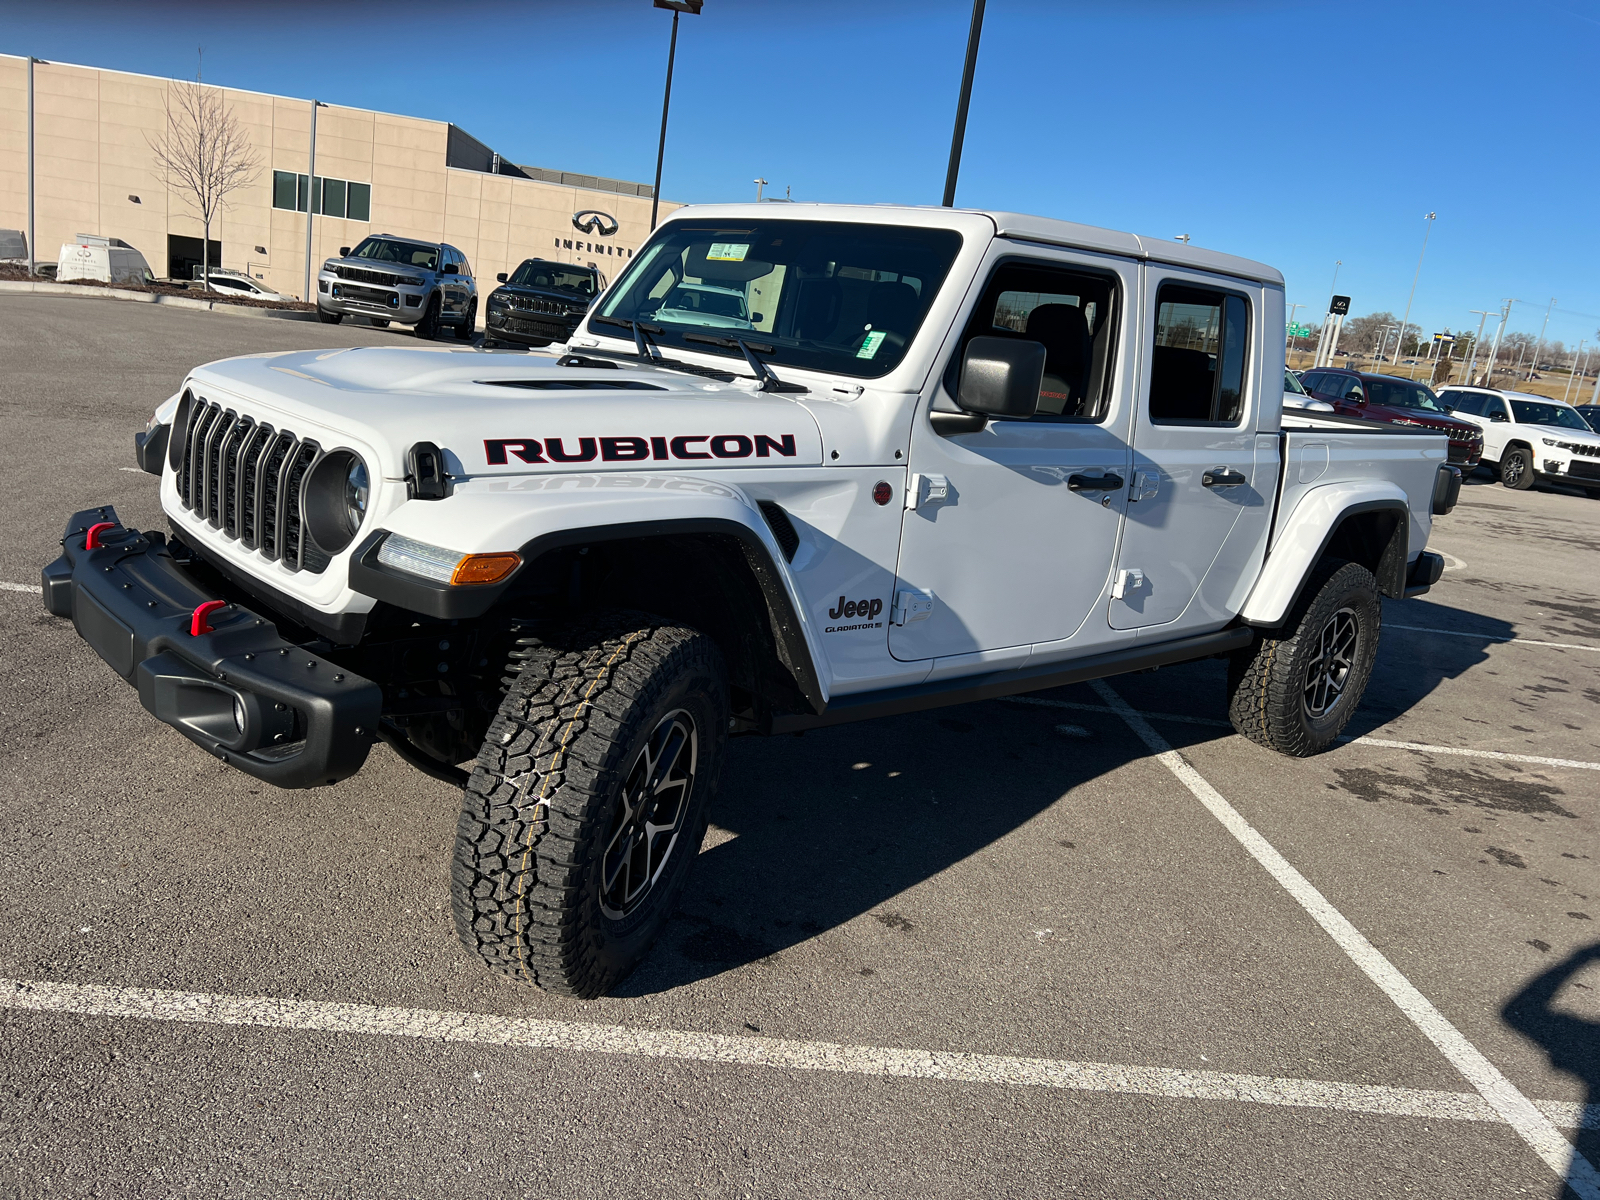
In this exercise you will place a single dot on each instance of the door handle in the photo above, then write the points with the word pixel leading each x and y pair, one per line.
pixel 1094 483
pixel 1222 477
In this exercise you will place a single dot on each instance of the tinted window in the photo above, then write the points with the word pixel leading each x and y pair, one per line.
pixel 358 202
pixel 1397 393
pixel 536 272
pixel 1557 416
pixel 1071 315
pixel 411 254
pixel 1198 357
pixel 830 296
pixel 1492 405
pixel 1466 402
pixel 1291 384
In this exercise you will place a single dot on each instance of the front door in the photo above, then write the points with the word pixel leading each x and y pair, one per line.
pixel 1203 479
pixel 1015 525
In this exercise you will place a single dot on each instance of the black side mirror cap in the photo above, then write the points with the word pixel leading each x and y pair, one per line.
pixel 1498 416
pixel 448 269
pixel 1001 377
pixel 501 278
pixel 344 251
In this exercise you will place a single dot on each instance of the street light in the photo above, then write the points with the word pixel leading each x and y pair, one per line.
pixel 1534 370
pixel 760 183
pixel 1428 217
pixel 1482 315
pixel 692 7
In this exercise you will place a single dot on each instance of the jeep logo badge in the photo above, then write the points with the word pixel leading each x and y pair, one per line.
pixel 594 222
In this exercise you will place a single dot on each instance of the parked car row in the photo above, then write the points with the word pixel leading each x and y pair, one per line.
pixel 1395 401
pixel 1529 438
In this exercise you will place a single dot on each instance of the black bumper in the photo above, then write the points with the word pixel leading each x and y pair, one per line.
pixel 535 332
pixel 240 691
pixel 1424 573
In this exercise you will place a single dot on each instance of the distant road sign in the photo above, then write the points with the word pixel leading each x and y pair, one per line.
pixel 1299 331
pixel 1444 337
pixel 1340 306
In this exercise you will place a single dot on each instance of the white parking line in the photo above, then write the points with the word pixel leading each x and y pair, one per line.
pixel 21 587
pixel 1532 1125
pixel 1538 760
pixel 268 1012
pixel 1484 637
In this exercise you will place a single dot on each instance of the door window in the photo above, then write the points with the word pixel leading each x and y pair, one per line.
pixel 1072 314
pixel 1470 403
pixel 1494 406
pixel 1198 360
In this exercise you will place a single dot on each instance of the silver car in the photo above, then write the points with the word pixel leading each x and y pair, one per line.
pixel 428 285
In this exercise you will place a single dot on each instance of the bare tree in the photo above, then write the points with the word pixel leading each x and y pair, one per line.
pixel 204 155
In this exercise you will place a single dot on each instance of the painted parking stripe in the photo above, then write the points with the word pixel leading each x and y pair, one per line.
pixel 269 1012
pixel 1530 1124
pixel 21 587
pixel 1538 760
pixel 1484 637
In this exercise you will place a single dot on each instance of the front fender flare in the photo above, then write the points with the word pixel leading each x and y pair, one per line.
pixel 514 514
pixel 1305 536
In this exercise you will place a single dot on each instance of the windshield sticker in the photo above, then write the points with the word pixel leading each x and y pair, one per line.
pixel 727 251
pixel 870 346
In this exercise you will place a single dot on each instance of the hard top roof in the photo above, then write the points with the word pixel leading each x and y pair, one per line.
pixel 1464 387
pixel 1018 226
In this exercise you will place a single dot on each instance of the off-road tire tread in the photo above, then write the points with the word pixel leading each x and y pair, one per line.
pixel 1264 681
pixel 532 801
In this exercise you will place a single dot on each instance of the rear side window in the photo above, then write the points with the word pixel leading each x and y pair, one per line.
pixel 1198 357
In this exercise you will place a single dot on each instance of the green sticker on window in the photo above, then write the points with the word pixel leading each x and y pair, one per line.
pixel 870 346
pixel 728 251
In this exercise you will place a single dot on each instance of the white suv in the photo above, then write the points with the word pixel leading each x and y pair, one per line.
pixel 1527 438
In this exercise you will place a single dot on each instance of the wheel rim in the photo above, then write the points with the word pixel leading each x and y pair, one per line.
pixel 1513 468
pixel 649 815
pixel 1329 672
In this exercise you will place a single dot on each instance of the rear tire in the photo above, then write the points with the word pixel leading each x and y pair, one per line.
pixel 469 325
pixel 379 322
pixel 428 328
pixel 328 318
pixel 1516 469
pixel 1297 687
pixel 588 802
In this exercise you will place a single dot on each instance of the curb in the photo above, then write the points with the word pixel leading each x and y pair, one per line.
pixel 11 287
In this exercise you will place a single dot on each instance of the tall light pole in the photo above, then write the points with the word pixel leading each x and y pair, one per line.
pixel 1540 345
pixel 1483 316
pixel 1292 311
pixel 1334 287
pixel 760 183
pixel 692 7
pixel 1399 341
pixel 960 134
pixel 1494 351
pixel 1573 373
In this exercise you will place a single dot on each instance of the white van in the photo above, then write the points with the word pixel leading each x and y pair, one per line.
pixel 110 260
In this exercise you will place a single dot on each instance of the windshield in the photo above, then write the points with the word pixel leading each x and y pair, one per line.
pixel 1528 412
pixel 411 254
pixel 824 295
pixel 1291 384
pixel 536 272
pixel 1396 393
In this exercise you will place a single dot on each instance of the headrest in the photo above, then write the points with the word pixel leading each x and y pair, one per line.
pixel 1056 323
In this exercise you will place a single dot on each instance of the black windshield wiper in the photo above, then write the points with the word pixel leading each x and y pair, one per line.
pixel 648 350
pixel 769 381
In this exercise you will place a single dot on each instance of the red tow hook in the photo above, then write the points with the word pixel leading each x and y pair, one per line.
pixel 92 540
pixel 198 623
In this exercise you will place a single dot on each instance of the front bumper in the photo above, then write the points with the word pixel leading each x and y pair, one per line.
pixel 1582 470
pixel 405 305
pixel 523 328
pixel 1464 454
pixel 238 690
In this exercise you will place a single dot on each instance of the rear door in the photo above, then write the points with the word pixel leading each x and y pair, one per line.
pixel 1204 478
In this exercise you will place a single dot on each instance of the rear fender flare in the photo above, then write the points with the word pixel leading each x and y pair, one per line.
pixel 1305 538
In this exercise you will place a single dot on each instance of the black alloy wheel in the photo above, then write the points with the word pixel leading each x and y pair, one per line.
pixel 1516 469
pixel 649 815
pixel 1329 671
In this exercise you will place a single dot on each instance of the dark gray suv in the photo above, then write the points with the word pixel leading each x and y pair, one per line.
pixel 427 285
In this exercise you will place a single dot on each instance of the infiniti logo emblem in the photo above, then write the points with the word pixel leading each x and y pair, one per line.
pixel 594 223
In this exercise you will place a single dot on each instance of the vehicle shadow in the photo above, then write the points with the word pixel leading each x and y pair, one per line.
pixel 1571 1042
pixel 811 833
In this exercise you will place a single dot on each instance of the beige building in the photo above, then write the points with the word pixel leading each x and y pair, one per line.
pixel 94 172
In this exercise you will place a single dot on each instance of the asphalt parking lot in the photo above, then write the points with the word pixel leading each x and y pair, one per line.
pixel 1007 949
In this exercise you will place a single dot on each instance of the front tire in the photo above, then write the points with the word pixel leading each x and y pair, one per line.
pixel 1296 688
pixel 588 802
pixel 1516 469
pixel 328 318
pixel 469 325
pixel 428 328
pixel 379 322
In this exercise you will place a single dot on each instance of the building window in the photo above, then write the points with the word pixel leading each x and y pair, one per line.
pixel 329 197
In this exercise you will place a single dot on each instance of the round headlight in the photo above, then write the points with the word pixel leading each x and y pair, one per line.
pixel 355 494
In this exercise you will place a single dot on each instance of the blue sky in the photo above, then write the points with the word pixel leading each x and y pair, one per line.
pixel 1295 133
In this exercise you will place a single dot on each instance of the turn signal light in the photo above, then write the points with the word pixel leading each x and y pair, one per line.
pixel 485 568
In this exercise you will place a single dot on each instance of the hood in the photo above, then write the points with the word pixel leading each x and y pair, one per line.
pixel 496 414
pixel 523 289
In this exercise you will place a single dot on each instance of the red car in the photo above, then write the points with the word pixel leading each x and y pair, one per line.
pixel 1397 401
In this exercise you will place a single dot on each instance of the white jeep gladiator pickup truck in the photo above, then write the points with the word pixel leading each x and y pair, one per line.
pixel 944 456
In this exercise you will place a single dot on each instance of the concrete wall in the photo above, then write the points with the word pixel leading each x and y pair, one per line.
pixel 94 129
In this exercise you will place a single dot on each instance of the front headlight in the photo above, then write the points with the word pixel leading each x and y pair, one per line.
pixel 439 565
pixel 410 281
pixel 498 300
pixel 1550 441
pixel 328 267
pixel 355 495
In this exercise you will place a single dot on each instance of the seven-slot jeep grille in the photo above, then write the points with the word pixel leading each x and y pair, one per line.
pixel 245 478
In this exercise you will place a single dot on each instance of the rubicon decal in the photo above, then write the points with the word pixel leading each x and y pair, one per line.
pixel 865 611
pixel 637 449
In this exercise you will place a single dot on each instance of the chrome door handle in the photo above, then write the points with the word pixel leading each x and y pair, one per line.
pixel 1094 483
pixel 1222 477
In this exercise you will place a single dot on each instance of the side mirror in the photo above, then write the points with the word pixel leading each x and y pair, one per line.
pixel 1001 377
pixel 344 251
pixel 757 318
pixel 501 277
pixel 1498 416
pixel 1355 397
pixel 448 269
